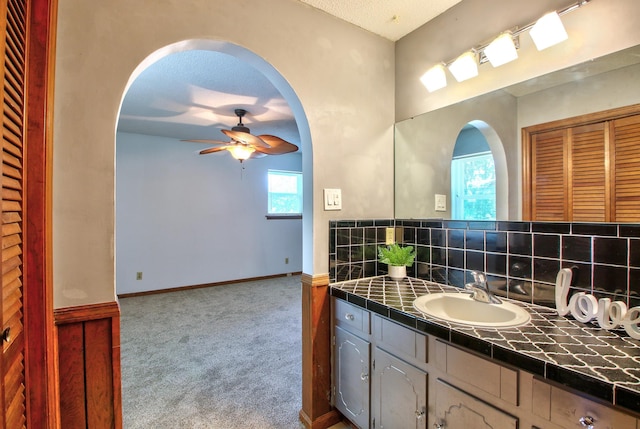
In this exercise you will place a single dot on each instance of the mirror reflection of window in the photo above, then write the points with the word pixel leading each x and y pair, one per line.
pixel 473 177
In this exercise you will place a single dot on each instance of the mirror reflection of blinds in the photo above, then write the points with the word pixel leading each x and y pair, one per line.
pixel 585 173
pixel 626 174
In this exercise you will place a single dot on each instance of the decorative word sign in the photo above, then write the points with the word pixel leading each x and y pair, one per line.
pixel 584 307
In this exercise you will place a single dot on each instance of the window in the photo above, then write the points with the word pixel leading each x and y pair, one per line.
pixel 473 187
pixel 285 193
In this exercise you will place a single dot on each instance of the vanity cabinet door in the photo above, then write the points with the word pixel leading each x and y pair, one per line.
pixel 456 409
pixel 351 357
pixel 399 394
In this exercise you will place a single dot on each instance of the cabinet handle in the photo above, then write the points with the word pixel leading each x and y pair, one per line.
pixel 364 377
pixel 5 337
pixel 587 422
pixel 349 316
pixel 438 425
pixel 420 413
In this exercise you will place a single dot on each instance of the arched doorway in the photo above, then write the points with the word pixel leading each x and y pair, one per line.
pixel 228 169
pixel 479 185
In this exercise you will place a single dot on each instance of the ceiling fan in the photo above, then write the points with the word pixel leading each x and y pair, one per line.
pixel 244 145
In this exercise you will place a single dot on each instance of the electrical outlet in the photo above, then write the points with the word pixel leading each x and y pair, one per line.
pixel 286 260
pixel 390 236
pixel 139 275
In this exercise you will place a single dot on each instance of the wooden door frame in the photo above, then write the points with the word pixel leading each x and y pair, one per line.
pixel 40 343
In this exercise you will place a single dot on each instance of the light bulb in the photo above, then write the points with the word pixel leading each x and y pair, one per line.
pixel 240 151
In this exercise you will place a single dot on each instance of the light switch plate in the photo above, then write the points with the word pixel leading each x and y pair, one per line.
pixel 441 203
pixel 332 199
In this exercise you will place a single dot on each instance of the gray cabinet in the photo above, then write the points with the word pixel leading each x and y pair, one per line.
pixel 351 376
pixel 456 409
pixel 386 375
pixel 351 362
pixel 570 410
pixel 399 393
pixel 394 394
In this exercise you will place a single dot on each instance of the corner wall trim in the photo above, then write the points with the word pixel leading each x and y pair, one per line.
pixel 204 285
pixel 317 411
pixel 83 313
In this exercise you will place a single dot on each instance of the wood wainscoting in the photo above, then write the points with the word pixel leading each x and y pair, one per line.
pixel 89 366
pixel 317 412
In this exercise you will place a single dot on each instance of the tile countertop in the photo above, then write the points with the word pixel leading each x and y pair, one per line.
pixel 603 364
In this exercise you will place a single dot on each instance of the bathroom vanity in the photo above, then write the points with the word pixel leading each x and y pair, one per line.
pixel 395 367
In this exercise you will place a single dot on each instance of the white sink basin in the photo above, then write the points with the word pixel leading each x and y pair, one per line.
pixel 461 308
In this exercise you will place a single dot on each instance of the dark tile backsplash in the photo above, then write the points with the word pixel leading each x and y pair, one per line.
pixel 521 259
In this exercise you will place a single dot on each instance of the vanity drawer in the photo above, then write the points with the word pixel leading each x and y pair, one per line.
pixel 400 340
pixel 497 380
pixel 566 409
pixel 351 317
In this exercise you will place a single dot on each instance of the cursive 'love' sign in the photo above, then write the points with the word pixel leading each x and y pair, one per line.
pixel 584 307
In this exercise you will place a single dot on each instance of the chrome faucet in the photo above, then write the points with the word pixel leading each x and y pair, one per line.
pixel 480 289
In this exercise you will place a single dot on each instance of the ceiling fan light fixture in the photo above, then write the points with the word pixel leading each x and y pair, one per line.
pixel 240 151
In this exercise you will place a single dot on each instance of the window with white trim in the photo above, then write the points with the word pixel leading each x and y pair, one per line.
pixel 473 187
pixel 284 193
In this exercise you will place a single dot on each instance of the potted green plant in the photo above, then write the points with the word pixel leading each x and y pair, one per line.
pixel 398 258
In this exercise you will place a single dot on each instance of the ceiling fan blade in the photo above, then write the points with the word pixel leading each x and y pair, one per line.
pixel 213 149
pixel 278 145
pixel 257 154
pixel 245 138
pixel 207 141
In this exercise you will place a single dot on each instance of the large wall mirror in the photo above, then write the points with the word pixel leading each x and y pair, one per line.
pixel 424 144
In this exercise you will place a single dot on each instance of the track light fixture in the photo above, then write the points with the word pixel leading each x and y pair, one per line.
pixel 465 66
pixel 545 32
pixel 435 78
pixel 548 31
pixel 502 50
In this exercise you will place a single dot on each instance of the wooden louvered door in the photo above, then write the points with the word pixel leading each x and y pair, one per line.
pixel 12 360
pixel 549 186
pixel 625 198
pixel 588 185
pixel 583 169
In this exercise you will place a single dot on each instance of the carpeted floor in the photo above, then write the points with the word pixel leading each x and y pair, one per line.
pixel 220 357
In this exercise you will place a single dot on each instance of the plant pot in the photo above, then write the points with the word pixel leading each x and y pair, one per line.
pixel 397 272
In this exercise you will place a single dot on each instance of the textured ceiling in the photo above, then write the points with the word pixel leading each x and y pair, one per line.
pixel 193 94
pixel 391 19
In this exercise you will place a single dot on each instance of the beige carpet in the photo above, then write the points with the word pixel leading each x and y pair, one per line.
pixel 222 357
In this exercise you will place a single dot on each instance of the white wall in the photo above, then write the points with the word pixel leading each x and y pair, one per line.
pixel 342 75
pixel 184 219
pixel 613 89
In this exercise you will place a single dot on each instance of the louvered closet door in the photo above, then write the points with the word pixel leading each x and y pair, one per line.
pixel 626 175
pixel 589 192
pixel 12 361
pixel 549 186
